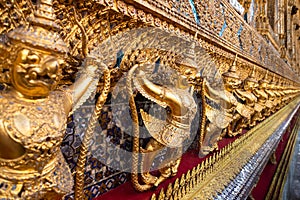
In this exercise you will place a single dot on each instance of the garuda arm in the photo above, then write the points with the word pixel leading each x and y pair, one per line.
pixel 80 91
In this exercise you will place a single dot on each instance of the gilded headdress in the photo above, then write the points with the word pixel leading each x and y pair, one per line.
pixel 232 70
pixel 41 33
pixel 251 77
pixel 187 59
pixel 265 79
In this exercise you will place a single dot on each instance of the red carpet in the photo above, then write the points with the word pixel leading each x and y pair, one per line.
pixel 126 191
pixel 191 159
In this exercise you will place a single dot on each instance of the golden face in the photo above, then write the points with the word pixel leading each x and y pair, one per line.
pixel 35 73
pixel 263 85
pixel 232 82
pixel 249 85
pixel 271 86
pixel 188 77
pixel 182 82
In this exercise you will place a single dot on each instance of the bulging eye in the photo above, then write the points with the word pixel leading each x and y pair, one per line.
pixel 22 55
pixel 52 67
pixel 33 59
pixel 33 75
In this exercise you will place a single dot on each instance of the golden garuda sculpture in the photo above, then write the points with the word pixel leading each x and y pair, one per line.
pixel 166 78
pixel 169 133
pixel 233 108
pixel 272 94
pixel 216 107
pixel 262 100
pixel 33 110
pixel 173 131
pixel 245 95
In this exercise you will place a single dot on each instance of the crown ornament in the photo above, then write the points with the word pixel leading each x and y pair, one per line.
pixel 42 31
pixel 231 73
pixel 189 57
pixel 274 82
pixel 265 78
pixel 251 77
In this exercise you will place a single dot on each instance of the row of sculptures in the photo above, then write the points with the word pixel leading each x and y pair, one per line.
pixel 242 105
pixel 34 111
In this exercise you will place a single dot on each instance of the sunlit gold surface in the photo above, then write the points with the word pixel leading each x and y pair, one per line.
pixel 34 62
pixel 31 163
pixel 210 177
pixel 170 133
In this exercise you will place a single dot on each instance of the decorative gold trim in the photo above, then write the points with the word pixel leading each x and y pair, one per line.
pixel 211 176
pixel 159 15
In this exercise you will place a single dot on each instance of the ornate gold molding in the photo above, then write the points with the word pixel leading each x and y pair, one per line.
pixel 210 177
pixel 87 24
pixel 158 14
